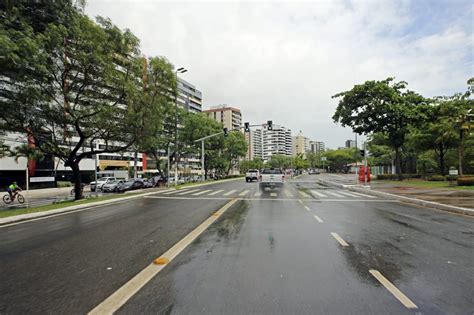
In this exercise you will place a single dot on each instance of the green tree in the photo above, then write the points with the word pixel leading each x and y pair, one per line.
pixel 380 106
pixel 279 161
pixel 235 147
pixel 299 162
pixel 69 85
pixel 314 159
pixel 338 159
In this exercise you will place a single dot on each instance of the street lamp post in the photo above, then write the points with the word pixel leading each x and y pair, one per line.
pixel 179 70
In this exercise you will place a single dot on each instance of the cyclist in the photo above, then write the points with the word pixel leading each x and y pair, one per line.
pixel 13 189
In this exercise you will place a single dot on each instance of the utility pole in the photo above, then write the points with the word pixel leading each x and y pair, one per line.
pixel 366 172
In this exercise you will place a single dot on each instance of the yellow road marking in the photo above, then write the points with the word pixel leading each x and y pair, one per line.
pixel 318 218
pixel 129 289
pixel 339 239
pixel 393 289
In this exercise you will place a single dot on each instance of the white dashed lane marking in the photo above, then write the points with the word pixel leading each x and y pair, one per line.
pixel 318 219
pixel 303 194
pixel 339 239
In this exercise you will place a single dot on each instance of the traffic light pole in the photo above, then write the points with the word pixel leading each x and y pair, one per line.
pixel 203 175
pixel 366 171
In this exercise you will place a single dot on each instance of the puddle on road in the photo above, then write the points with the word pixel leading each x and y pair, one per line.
pixel 362 257
pixel 229 225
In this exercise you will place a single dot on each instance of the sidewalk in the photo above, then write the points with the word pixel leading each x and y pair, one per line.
pixel 448 196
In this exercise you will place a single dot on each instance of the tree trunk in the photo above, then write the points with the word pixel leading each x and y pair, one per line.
pixel 442 166
pixel 398 163
pixel 77 180
pixel 461 151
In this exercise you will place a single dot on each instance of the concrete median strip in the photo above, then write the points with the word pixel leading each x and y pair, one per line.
pixel 421 202
pixel 129 289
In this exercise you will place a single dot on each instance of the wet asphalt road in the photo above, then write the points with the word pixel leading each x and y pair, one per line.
pixel 267 254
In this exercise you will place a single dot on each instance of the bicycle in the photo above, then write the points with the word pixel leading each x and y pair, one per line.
pixel 8 200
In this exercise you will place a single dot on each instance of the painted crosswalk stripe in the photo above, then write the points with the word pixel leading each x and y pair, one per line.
pixel 288 194
pixel 230 192
pixel 174 191
pixel 318 193
pixel 188 192
pixel 163 191
pixel 303 194
pixel 334 194
pixel 307 208
pixel 339 239
pixel 318 219
pixel 258 194
pixel 216 192
pixel 363 195
pixel 244 193
pixel 348 194
pixel 202 192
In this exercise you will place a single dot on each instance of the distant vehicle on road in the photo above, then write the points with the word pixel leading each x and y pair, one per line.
pixel 130 185
pixel 251 175
pixel 112 186
pixel 100 182
pixel 271 177
pixel 314 172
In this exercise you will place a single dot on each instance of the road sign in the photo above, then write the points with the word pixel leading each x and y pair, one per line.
pixel 41 179
pixel 323 158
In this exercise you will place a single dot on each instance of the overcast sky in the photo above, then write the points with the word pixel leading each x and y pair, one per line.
pixel 284 61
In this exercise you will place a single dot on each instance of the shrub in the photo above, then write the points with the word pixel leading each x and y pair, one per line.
pixel 436 178
pixel 63 184
pixel 452 177
pixel 465 181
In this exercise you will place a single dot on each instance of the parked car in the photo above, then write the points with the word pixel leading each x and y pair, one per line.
pixel 314 172
pixel 130 185
pixel 147 183
pixel 112 186
pixel 251 175
pixel 158 180
pixel 100 182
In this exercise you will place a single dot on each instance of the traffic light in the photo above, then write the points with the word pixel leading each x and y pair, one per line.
pixel 269 125
pixel 362 153
pixel 247 127
pixel 226 132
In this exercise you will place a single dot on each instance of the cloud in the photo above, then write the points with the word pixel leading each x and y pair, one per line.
pixel 284 61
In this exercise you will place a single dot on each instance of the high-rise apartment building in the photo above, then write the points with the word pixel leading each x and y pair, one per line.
pixel 276 141
pixel 350 144
pixel 189 97
pixel 230 117
pixel 300 144
pixel 255 144
pixel 317 146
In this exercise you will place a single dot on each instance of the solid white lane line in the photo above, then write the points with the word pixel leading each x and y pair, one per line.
pixel 303 194
pixel 318 193
pixel 188 192
pixel 129 289
pixel 216 192
pixel 339 239
pixel 258 194
pixel 244 193
pixel 273 194
pixel 363 195
pixel 288 194
pixel 307 208
pixel 348 194
pixel 230 192
pixel 318 218
pixel 202 192
pixel 393 289
pixel 334 194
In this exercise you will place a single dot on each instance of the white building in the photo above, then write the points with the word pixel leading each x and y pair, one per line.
pixel 255 144
pixel 276 141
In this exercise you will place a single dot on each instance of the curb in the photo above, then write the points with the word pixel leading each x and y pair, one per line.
pixel 41 214
pixel 425 203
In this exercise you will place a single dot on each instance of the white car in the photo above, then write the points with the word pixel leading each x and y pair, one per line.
pixel 251 175
pixel 271 177
pixel 100 182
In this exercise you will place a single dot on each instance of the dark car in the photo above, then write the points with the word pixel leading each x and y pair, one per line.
pixel 130 185
pixel 147 183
